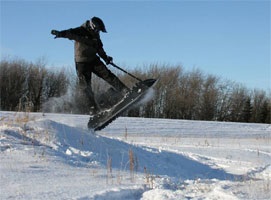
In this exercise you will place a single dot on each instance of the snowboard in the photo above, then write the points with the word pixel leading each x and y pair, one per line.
pixel 105 117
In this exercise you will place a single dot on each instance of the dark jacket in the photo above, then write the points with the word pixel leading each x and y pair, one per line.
pixel 87 43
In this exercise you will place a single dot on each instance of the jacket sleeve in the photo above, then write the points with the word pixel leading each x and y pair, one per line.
pixel 74 34
pixel 101 51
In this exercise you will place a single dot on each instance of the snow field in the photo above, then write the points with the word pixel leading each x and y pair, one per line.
pixel 54 156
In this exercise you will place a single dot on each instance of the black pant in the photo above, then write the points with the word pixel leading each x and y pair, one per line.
pixel 84 72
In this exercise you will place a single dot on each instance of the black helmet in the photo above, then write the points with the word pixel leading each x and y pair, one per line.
pixel 98 23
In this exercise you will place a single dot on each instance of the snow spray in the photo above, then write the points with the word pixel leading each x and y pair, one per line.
pixel 147 97
pixel 62 104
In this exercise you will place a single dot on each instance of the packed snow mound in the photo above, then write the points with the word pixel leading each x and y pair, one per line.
pixel 80 146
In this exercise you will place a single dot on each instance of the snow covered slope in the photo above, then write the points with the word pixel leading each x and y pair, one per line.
pixel 54 156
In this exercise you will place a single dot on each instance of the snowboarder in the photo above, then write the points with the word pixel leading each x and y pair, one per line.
pixel 88 51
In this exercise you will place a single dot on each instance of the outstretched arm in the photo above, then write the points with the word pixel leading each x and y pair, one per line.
pixel 72 34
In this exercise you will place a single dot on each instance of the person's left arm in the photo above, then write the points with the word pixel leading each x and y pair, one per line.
pixel 102 53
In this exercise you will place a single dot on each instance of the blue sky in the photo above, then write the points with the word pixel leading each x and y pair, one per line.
pixel 230 39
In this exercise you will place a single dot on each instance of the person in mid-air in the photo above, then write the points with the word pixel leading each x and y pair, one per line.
pixel 88 51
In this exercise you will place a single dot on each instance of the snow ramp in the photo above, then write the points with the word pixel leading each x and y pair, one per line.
pixel 78 147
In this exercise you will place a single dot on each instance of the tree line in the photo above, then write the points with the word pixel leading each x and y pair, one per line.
pixel 179 94
pixel 27 85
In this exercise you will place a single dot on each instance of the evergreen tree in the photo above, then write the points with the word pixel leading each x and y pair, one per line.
pixel 264 112
pixel 247 110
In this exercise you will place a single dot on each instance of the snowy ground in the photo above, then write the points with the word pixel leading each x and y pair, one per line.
pixel 54 156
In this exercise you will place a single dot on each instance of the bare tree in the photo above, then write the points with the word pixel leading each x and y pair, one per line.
pixel 35 83
pixel 12 79
pixel 209 98
pixel 191 89
pixel 259 98
pixel 238 98
pixel 55 84
pixel 225 89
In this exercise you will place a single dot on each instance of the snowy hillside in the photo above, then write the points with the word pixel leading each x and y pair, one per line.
pixel 54 156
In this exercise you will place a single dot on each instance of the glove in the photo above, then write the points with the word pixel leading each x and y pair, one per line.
pixel 108 60
pixel 56 33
